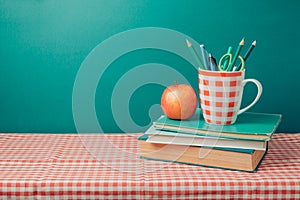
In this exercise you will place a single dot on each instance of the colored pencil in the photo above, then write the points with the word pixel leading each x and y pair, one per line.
pixel 236 55
pixel 227 60
pixel 212 63
pixel 204 57
pixel 194 54
pixel 248 52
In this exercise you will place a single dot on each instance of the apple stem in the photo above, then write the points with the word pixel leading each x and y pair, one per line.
pixel 175 82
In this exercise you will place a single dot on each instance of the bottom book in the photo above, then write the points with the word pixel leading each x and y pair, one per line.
pixel 225 158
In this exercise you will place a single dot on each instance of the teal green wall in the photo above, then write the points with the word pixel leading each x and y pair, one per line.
pixel 44 42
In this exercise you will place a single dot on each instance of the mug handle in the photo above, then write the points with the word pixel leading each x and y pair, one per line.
pixel 259 92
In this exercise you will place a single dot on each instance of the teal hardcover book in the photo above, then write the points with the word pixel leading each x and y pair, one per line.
pixel 225 158
pixel 248 126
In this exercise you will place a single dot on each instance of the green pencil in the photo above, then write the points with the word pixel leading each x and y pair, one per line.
pixel 248 52
pixel 236 54
pixel 194 54
pixel 227 60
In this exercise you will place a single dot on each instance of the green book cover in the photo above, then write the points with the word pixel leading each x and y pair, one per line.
pixel 247 123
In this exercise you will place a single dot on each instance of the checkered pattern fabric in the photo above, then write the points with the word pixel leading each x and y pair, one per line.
pixel 220 95
pixel 67 166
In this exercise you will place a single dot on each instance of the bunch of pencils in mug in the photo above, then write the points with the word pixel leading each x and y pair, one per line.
pixel 227 62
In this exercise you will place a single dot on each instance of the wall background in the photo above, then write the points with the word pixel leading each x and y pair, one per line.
pixel 43 43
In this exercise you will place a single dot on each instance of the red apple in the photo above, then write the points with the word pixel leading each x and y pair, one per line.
pixel 179 101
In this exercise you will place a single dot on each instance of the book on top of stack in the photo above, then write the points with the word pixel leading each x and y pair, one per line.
pixel 240 146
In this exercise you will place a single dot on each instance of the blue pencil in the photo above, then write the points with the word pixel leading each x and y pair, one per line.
pixel 212 63
pixel 204 56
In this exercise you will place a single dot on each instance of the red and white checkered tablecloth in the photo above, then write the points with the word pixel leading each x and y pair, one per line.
pixel 98 166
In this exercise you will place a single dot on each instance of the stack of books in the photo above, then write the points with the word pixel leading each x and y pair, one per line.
pixel 240 146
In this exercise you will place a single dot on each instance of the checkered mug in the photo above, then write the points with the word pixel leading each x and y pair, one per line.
pixel 221 95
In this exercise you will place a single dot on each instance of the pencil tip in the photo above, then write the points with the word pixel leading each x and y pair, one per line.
pixel 242 41
pixel 188 43
pixel 254 43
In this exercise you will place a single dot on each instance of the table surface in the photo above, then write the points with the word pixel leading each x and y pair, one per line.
pixel 95 166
